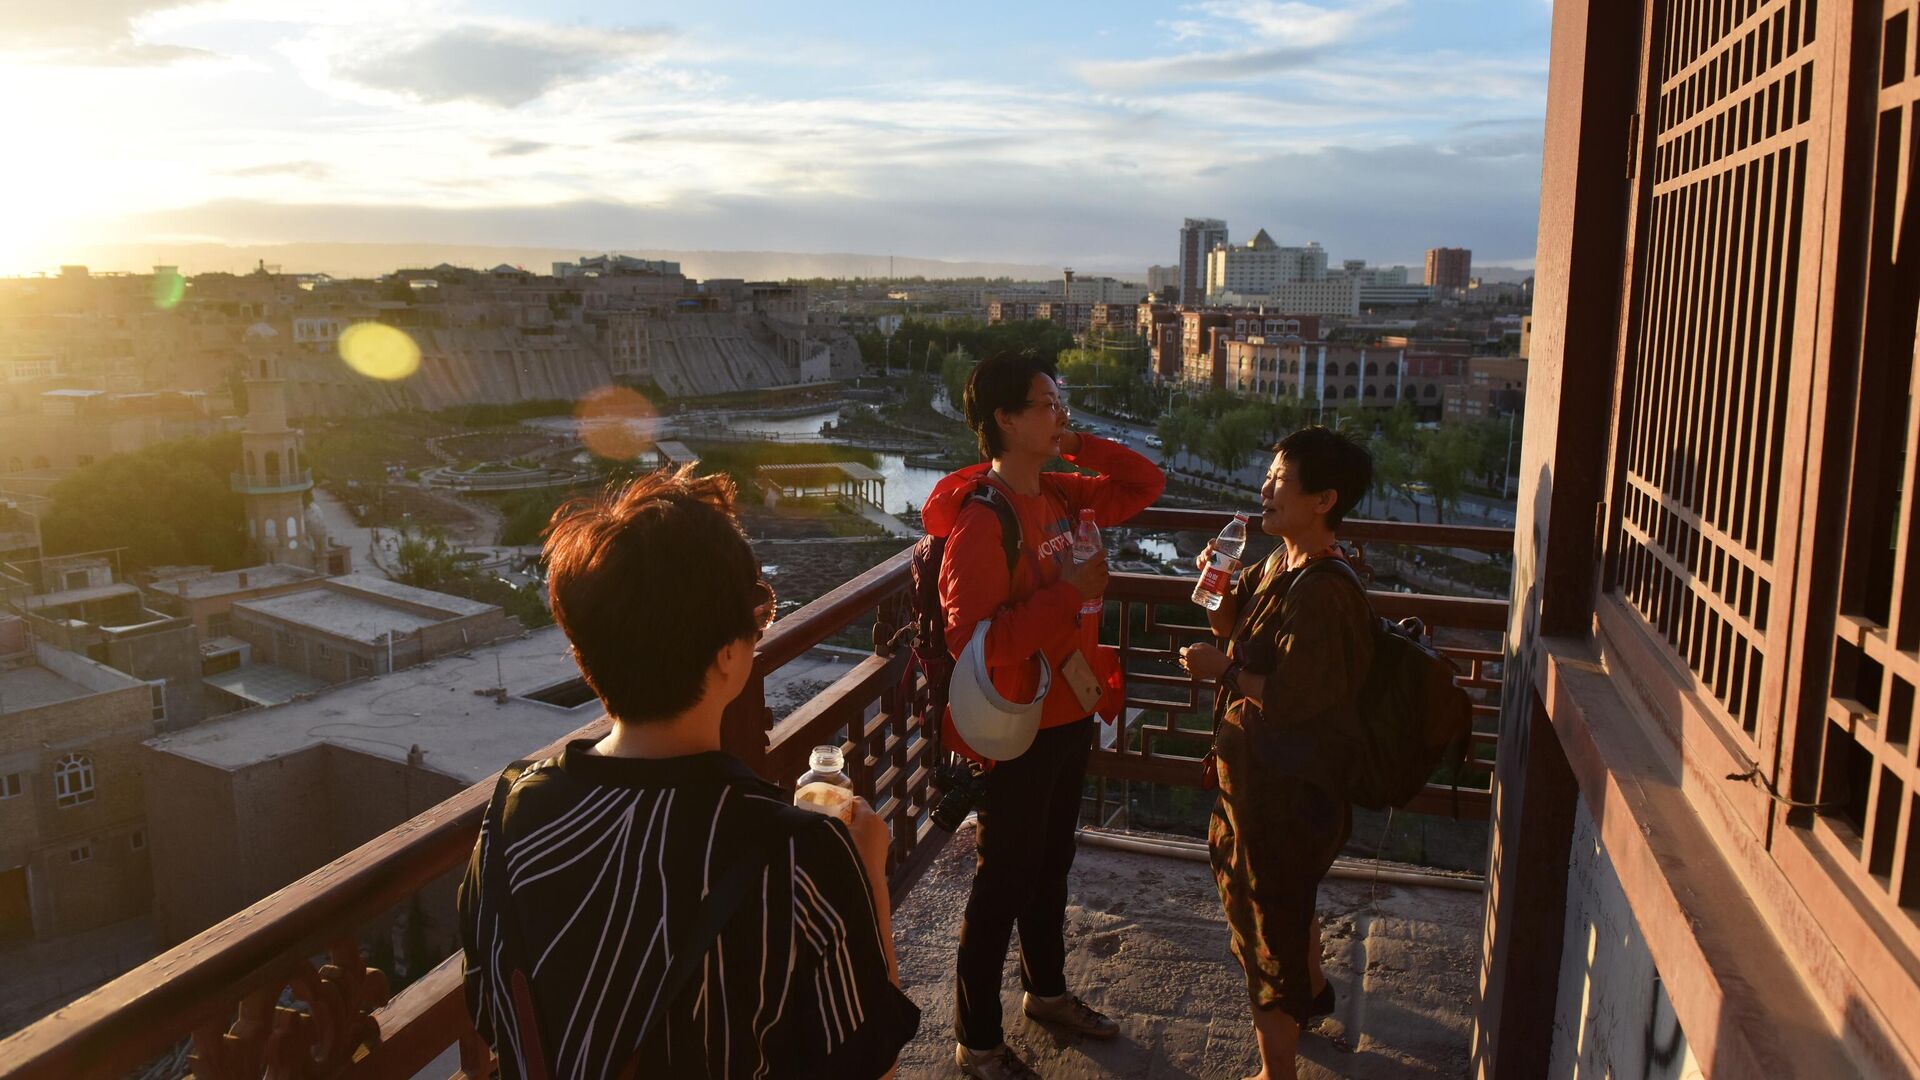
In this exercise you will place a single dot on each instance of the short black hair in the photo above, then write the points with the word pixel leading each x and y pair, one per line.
pixel 1327 459
pixel 650 581
pixel 1000 381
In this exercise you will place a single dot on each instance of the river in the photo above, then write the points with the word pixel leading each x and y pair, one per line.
pixel 907 486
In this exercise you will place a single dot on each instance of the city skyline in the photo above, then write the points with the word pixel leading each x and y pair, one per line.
pixel 1379 128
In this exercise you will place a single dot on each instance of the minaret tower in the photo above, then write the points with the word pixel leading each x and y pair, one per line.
pixel 274 476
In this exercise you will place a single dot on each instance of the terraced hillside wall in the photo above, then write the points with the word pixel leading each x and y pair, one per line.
pixel 689 354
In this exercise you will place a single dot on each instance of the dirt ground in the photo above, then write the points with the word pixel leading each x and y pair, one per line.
pixel 1146 944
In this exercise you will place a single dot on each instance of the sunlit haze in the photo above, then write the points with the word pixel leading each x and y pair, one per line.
pixel 1019 132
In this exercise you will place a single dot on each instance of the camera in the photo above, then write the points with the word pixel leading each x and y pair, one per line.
pixel 961 785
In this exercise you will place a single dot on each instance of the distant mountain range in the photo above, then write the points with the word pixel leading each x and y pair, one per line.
pixel 372 260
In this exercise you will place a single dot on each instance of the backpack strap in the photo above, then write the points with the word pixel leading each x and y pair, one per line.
pixel 1352 575
pixel 996 500
pixel 499 897
pixel 720 905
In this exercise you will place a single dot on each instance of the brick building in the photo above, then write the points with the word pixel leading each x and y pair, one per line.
pixel 1205 334
pixel 1449 268
pixel 112 625
pixel 1379 376
pixel 206 597
pixel 1158 326
pixel 73 840
pixel 1495 387
pixel 247 803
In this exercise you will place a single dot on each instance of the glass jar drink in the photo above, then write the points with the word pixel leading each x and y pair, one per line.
pixel 825 787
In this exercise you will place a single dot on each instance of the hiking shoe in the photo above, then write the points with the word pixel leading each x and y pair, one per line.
pixel 999 1063
pixel 1069 1012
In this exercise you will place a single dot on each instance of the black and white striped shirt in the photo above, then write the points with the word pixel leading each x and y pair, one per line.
pixel 608 860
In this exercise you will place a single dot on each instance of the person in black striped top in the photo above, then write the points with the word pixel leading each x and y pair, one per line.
pixel 606 858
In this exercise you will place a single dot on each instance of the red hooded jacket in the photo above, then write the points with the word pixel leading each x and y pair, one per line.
pixel 1033 610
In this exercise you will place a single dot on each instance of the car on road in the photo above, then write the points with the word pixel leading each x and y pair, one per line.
pixel 1154 442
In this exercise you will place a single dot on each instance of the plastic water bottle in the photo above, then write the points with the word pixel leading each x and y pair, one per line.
pixel 825 787
pixel 1086 545
pixel 1217 578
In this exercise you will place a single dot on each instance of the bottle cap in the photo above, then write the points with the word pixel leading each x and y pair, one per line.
pixel 826 759
pixel 1086 514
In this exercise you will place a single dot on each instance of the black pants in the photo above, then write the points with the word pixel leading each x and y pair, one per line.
pixel 1026 843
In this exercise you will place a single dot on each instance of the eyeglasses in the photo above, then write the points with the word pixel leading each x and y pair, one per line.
pixel 1053 404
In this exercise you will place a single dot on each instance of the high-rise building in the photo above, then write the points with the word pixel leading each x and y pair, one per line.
pixel 1254 268
pixel 1449 268
pixel 1198 236
pixel 1160 279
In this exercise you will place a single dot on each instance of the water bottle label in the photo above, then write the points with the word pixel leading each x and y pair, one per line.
pixel 1218 576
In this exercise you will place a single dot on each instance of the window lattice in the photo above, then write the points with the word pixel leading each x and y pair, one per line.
pixel 1703 454
pixel 73 780
pixel 1869 782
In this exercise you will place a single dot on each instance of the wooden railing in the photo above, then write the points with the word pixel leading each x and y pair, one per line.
pixel 282 989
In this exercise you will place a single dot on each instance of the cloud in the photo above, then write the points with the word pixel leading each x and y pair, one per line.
pixel 305 170
pixel 1285 37
pixel 1194 67
pixel 93 33
pixel 496 64
pixel 518 148
pixel 1386 204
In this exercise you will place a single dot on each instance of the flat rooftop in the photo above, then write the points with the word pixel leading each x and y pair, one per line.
pixel 433 706
pixel 79 596
pixel 32 687
pixel 265 684
pixel 437 706
pixel 1147 944
pixel 393 590
pixel 363 608
pixel 227 582
pixel 356 618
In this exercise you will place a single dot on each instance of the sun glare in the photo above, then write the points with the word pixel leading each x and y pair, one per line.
pixel 616 422
pixel 379 351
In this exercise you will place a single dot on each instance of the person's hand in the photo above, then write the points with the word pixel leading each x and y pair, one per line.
pixel 1206 556
pixel 1203 661
pixel 1070 443
pixel 871 836
pixel 1089 578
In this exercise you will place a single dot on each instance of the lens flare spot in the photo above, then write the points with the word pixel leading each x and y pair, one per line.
pixel 616 422
pixel 167 289
pixel 379 351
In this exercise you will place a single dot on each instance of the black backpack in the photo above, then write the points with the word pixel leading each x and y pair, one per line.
pixel 925 631
pixel 1413 718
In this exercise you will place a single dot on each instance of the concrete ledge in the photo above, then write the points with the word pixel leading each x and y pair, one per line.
pixel 1740 1001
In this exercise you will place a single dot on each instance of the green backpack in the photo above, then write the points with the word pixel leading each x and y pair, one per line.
pixel 1413 718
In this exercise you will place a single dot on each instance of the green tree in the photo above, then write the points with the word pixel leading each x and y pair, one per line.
pixel 1394 445
pixel 1234 437
pixel 1447 458
pixel 954 373
pixel 170 503
pixel 427 559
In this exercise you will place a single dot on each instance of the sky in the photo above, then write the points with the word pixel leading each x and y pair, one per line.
pixel 1053 133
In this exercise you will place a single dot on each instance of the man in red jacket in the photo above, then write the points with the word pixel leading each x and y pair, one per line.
pixel 1031 807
